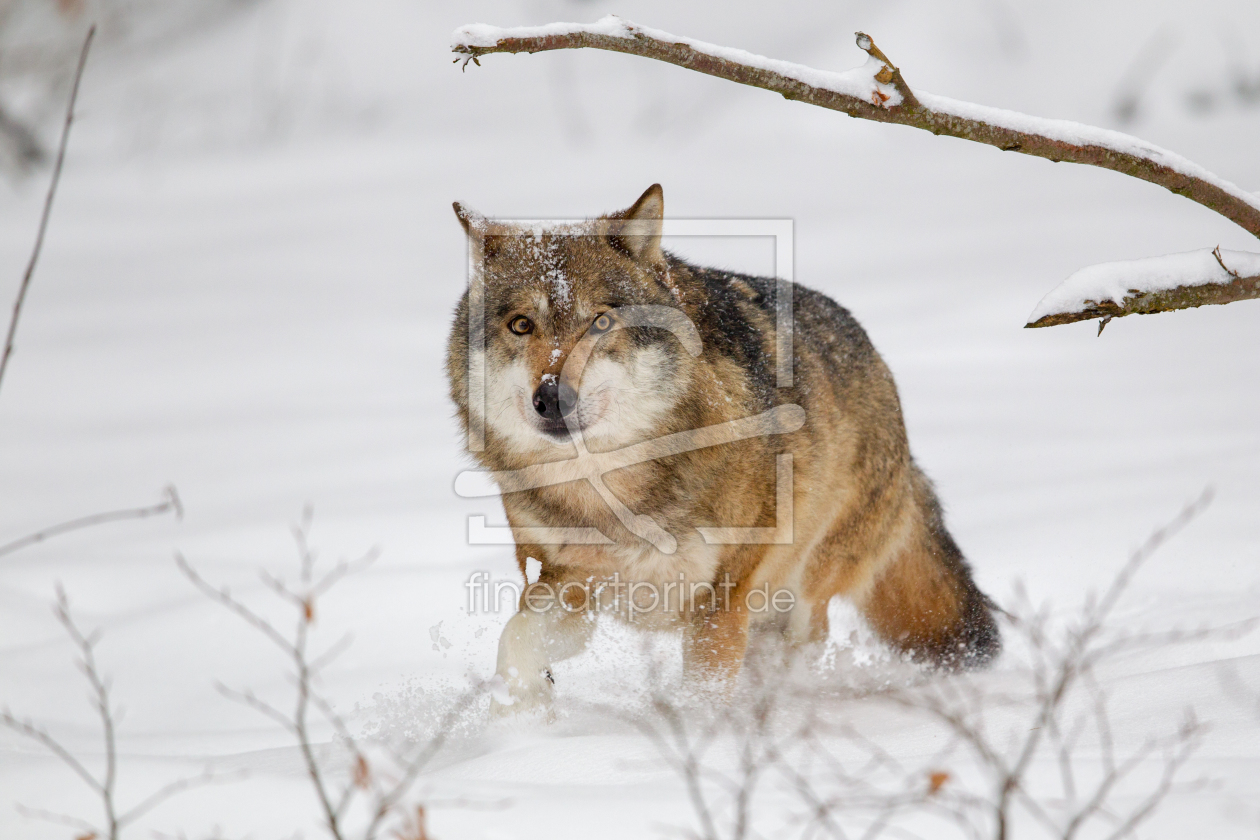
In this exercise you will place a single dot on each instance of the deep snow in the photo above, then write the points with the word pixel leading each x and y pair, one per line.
pixel 246 292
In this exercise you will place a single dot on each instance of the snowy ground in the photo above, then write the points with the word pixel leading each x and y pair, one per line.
pixel 246 292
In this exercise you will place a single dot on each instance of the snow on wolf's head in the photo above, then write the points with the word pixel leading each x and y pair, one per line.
pixel 584 334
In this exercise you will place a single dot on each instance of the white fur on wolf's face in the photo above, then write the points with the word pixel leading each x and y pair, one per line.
pixel 635 396
pixel 620 400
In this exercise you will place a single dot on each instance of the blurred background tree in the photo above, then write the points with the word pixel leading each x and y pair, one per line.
pixel 39 40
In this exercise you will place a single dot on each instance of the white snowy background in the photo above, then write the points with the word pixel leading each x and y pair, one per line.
pixel 246 291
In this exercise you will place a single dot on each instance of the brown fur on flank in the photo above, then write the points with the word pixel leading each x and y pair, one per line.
pixel 866 526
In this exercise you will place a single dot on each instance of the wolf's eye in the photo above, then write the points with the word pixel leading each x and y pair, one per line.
pixel 602 324
pixel 521 325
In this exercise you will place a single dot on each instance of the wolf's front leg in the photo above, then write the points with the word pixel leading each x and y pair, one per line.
pixel 713 651
pixel 531 642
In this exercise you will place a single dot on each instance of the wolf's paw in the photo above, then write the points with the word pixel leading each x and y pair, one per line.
pixel 514 695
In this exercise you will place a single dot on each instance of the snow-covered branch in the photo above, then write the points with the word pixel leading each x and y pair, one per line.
pixel 877 91
pixel 1155 284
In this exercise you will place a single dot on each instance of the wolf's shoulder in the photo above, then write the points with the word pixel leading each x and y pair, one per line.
pixel 818 321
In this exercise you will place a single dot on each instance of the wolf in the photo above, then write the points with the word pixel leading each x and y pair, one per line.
pixel 554 367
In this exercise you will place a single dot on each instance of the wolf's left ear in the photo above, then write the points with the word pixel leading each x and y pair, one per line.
pixel 477 227
pixel 474 223
pixel 637 231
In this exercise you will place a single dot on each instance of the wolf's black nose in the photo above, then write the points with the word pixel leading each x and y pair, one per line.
pixel 554 400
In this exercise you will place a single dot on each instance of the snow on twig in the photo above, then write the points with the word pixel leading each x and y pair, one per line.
pixel 614 33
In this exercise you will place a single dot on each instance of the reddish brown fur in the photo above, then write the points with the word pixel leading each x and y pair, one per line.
pixel 867 525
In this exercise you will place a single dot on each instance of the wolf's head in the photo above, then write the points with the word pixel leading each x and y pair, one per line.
pixel 583 328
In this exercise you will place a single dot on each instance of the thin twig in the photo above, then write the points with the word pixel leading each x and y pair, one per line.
pixel 48 203
pixel 890 74
pixel 171 502
pixel 1216 252
pixel 1153 543
pixel 100 698
pixel 1186 741
pixel 250 700
pixel 224 597
pixel 56 818
pixel 1060 670
pixel 383 799
pixel 31 730
pixel 174 789
pixel 416 765
pixel 103 786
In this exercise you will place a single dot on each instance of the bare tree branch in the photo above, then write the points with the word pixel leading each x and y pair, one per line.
pixel 174 789
pixel 104 785
pixel 250 700
pixel 58 819
pixel 29 729
pixel 1060 671
pixel 383 796
pixel 224 597
pixel 48 203
pixel 170 502
pixel 982 778
pixel 100 699
pixel 1184 744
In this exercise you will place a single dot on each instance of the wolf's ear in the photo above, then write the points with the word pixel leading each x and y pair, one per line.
pixel 473 222
pixel 477 227
pixel 637 230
